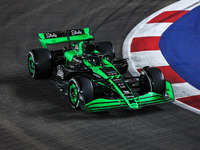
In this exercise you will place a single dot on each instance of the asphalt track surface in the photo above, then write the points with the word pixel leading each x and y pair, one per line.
pixel 35 115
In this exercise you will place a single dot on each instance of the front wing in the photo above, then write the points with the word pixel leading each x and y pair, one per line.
pixel 150 98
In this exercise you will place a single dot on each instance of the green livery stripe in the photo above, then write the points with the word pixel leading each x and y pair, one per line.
pixel 102 104
pixel 97 109
pixel 158 100
pixel 105 104
pixel 154 102
pixel 106 101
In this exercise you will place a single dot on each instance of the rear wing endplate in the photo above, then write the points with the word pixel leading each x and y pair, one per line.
pixel 49 38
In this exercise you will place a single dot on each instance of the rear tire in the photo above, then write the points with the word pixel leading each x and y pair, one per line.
pixel 152 80
pixel 106 48
pixel 39 63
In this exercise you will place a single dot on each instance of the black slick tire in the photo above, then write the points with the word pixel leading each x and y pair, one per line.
pixel 152 80
pixel 39 63
pixel 80 91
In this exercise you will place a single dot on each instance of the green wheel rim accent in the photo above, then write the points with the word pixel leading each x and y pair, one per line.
pixel 31 64
pixel 73 93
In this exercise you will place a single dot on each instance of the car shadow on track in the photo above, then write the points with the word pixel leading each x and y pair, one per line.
pixel 39 98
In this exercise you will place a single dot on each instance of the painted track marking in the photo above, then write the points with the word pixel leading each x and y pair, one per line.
pixel 142 44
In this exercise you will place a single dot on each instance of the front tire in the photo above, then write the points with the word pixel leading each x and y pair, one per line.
pixel 152 80
pixel 80 92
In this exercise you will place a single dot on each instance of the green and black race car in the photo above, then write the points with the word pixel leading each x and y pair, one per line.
pixel 92 77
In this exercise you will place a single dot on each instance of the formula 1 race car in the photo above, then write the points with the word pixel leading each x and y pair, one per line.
pixel 92 77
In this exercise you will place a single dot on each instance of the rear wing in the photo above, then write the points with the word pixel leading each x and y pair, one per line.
pixel 49 38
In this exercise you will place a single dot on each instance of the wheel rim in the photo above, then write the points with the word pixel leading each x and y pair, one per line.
pixel 31 64
pixel 73 94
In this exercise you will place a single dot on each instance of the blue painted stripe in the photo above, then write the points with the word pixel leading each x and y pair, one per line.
pixel 180 45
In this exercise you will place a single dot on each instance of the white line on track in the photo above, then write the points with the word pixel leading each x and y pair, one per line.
pixel 187 107
pixel 184 90
pixel 144 58
pixel 153 29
